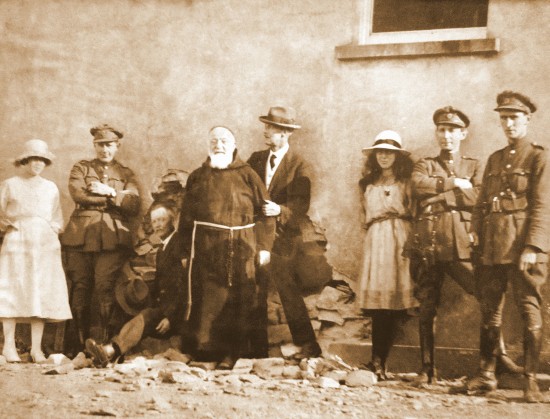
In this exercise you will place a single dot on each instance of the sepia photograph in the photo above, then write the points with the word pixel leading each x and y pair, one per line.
pixel 274 208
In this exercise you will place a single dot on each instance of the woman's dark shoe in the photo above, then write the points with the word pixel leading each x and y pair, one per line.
pixel 376 368
pixel 427 375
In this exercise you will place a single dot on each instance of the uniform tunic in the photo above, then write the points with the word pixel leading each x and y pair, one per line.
pixel 32 281
pixel 385 281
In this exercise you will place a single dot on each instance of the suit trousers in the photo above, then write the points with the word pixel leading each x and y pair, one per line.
pixel 141 326
pixel 88 270
pixel 283 275
pixel 493 281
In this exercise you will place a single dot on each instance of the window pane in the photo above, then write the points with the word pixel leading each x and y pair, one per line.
pixel 414 15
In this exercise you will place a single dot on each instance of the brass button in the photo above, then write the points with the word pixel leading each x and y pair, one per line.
pixel 512 151
pixel 508 166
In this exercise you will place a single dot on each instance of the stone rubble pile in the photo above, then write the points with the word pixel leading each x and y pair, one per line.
pixel 334 315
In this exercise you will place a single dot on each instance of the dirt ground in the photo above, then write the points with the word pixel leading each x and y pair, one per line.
pixel 129 392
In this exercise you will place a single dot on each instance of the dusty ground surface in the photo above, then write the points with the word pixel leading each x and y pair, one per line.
pixel 159 388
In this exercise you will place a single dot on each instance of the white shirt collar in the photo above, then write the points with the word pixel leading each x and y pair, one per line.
pixel 280 153
pixel 167 239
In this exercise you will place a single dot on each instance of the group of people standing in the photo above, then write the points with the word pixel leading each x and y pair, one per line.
pixel 444 216
pixel 237 230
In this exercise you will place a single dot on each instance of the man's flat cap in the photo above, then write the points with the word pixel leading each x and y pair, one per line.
pixel 105 133
pixel 514 101
pixel 450 116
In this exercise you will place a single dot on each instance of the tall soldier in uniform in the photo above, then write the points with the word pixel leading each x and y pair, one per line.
pixel 97 239
pixel 446 189
pixel 511 225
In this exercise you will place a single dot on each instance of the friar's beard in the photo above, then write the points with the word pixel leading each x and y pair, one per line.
pixel 220 160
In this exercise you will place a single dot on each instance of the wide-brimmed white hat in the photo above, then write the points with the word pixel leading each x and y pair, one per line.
pixel 387 140
pixel 35 148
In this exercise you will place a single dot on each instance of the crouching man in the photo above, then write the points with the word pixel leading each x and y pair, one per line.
pixel 157 312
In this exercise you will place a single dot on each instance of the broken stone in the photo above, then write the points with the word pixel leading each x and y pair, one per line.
pixel 103 393
pixel 251 378
pixel 243 365
pixel 175 366
pixel 233 385
pixel 57 359
pixel 159 403
pixel 166 377
pixel 337 375
pixel 60 370
pixel 80 361
pixel 206 366
pixel 175 355
pixel 351 330
pixel 292 372
pixel 102 412
pixel 311 305
pixel 289 349
pixel 331 316
pixel 330 299
pixel 361 378
pixel 316 325
pixel 325 382
pixel 269 367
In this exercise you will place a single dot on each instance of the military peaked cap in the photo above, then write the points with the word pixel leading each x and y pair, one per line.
pixel 450 116
pixel 514 101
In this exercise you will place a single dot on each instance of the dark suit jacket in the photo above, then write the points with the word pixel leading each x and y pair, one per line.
pixel 168 292
pixel 290 188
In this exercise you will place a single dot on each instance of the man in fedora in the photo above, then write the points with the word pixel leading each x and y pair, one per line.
pixel 288 178
pixel 511 227
pixel 97 240
pixel 446 188
pixel 158 312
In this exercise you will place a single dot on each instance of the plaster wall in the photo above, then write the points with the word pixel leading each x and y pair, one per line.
pixel 165 71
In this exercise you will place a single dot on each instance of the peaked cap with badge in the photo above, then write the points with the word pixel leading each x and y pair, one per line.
pixel 105 134
pixel 451 116
pixel 514 101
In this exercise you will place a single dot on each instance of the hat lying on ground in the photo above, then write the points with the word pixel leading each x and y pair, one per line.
pixel 35 148
pixel 132 295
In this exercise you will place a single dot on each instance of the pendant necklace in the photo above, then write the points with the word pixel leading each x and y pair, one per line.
pixel 386 182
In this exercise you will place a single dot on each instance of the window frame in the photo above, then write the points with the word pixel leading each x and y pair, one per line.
pixel 367 37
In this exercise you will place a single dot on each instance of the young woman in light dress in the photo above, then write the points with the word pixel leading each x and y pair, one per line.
pixel 32 282
pixel 385 285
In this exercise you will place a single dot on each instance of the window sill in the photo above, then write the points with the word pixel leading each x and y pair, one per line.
pixel 416 49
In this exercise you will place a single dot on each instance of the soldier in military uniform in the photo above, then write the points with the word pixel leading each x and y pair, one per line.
pixel 511 225
pixel 445 188
pixel 97 239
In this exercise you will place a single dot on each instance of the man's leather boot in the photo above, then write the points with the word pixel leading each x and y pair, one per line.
pixel 532 342
pixel 485 379
pixel 427 348
pixel 101 354
pixel 504 362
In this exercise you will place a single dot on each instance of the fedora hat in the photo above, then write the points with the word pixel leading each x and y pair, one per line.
pixel 281 116
pixel 387 140
pixel 35 148
pixel 132 295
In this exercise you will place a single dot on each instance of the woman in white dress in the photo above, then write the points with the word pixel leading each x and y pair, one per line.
pixel 32 282
pixel 385 285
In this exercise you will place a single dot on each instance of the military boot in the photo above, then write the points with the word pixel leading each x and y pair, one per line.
pixel 485 380
pixel 532 342
pixel 427 348
pixel 504 362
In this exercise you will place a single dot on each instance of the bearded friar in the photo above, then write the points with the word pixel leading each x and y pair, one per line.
pixel 228 238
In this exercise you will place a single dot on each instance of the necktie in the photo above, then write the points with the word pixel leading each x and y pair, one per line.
pixel 272 161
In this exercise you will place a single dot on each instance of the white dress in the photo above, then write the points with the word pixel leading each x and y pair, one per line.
pixel 32 280
pixel 385 281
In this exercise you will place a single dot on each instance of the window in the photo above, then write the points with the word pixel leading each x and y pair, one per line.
pixel 398 28
pixel 395 21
